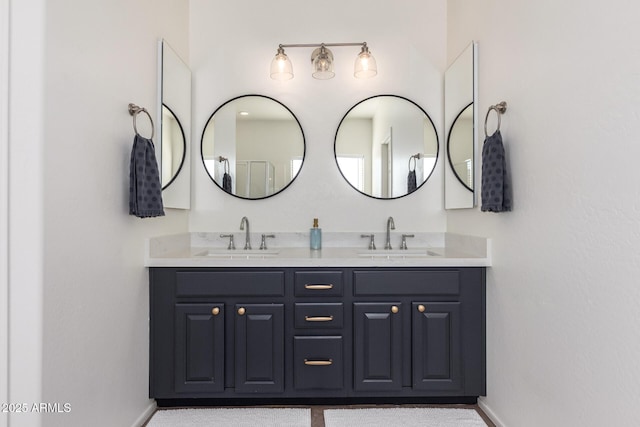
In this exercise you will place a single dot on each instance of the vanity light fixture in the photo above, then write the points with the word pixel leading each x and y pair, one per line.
pixel 322 62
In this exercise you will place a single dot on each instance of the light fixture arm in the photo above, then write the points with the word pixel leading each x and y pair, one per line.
pixel 282 46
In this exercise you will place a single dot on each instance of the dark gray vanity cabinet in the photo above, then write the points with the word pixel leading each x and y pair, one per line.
pixel 199 349
pixel 435 358
pixel 319 320
pixel 436 355
pixel 215 330
pixel 223 334
pixel 377 351
pixel 259 348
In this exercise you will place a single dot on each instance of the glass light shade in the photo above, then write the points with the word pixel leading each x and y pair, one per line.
pixel 281 67
pixel 322 62
pixel 365 66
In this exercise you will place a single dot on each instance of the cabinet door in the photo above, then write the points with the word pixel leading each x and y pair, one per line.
pixel 436 346
pixel 199 348
pixel 377 352
pixel 259 348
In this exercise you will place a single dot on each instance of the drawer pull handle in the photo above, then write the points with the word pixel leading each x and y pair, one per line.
pixel 241 311
pixel 317 287
pixel 318 362
pixel 215 311
pixel 394 309
pixel 318 318
pixel 421 308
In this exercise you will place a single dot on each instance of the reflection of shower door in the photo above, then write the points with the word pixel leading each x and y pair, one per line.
pixel 254 179
pixel 386 167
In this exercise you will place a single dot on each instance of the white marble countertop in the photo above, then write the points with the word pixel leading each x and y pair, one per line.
pixel 339 250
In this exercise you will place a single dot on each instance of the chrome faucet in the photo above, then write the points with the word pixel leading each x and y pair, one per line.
pixel 247 240
pixel 390 226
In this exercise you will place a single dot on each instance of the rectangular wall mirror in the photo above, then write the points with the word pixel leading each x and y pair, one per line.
pixel 173 146
pixel 461 123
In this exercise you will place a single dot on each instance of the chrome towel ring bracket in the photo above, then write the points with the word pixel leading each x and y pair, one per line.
pixel 226 163
pixel 134 110
pixel 500 109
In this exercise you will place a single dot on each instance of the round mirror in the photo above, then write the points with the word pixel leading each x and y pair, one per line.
pixel 173 146
pixel 460 147
pixel 253 147
pixel 386 146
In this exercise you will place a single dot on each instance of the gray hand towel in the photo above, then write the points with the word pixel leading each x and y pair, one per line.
pixel 412 185
pixel 226 182
pixel 145 191
pixel 496 190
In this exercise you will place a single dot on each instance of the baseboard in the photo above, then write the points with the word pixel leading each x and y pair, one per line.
pixel 144 417
pixel 245 401
pixel 489 412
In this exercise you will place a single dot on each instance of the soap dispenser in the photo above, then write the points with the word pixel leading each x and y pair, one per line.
pixel 315 236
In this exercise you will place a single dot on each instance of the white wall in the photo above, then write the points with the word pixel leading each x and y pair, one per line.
pixel 25 191
pixel 231 51
pixel 563 297
pixel 4 206
pixel 74 246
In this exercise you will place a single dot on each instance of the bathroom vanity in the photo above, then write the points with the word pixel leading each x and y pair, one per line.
pixel 277 327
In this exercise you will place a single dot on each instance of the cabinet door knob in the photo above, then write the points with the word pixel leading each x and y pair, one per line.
pixel 215 311
pixel 241 311
pixel 421 308
pixel 394 309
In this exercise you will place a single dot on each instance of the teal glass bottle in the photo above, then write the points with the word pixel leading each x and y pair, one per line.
pixel 315 236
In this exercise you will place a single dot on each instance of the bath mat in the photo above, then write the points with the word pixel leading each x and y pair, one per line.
pixel 405 417
pixel 232 417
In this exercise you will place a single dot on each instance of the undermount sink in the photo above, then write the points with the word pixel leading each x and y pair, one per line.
pixel 239 253
pixel 400 253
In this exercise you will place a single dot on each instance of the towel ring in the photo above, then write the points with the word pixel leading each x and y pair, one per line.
pixel 134 110
pixel 499 108
pixel 415 157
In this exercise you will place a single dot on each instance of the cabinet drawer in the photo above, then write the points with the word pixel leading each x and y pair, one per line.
pixel 398 282
pixel 318 363
pixel 318 283
pixel 318 315
pixel 229 283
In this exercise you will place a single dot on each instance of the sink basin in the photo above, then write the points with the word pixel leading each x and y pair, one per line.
pixel 239 253
pixel 406 253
